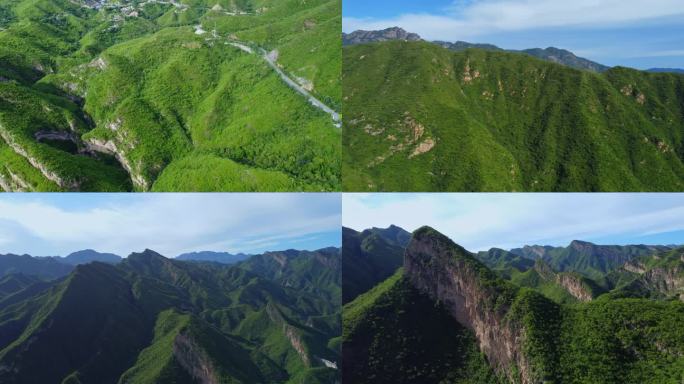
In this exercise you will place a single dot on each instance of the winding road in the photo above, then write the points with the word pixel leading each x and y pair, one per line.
pixel 289 81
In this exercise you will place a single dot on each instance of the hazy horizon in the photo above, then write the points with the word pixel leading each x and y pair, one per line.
pixel 480 222
pixel 170 224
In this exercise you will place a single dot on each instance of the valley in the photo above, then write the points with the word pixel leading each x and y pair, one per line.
pixel 156 96
pixel 149 319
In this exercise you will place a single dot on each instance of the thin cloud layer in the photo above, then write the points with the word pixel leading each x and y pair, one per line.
pixel 633 33
pixel 473 18
pixel 52 224
pixel 483 221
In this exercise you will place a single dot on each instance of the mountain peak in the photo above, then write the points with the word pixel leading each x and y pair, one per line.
pixel 393 33
pixel 581 245
pixel 90 255
pixel 147 255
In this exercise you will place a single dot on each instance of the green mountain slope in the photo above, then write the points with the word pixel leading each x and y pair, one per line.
pixel 658 276
pixel 395 334
pixel 419 117
pixel 586 258
pixel 154 320
pixel 169 96
pixel 370 257
pixel 523 335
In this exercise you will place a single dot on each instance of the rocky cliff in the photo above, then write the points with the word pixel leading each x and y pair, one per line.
pixel 473 295
pixel 575 285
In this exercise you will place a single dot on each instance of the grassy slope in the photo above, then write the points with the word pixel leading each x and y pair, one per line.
pixel 513 123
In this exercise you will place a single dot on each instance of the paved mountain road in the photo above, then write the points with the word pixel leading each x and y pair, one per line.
pixel 289 81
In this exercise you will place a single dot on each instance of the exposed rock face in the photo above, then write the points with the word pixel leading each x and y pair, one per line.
pixel 394 33
pixel 669 281
pixel 290 332
pixel 194 360
pixel 634 267
pixel 109 147
pixel 574 285
pixel 49 174
pixel 449 274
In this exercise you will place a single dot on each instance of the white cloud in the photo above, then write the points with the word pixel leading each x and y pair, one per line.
pixel 168 223
pixel 482 221
pixel 473 18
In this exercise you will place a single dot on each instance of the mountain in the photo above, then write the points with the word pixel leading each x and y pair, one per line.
pixel 317 272
pixel 565 57
pixel 15 282
pixel 45 268
pixel 555 55
pixel 396 334
pixel 219 257
pixel 48 268
pixel 481 120
pixel 362 37
pixel 89 255
pixel 586 258
pixel 486 329
pixel 665 70
pixel 660 275
pixel 113 96
pixel 370 257
pixel 149 319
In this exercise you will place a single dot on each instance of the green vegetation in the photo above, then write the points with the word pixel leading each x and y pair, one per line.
pixel 154 320
pixel 395 333
pixel 370 257
pixel 156 97
pixel 419 117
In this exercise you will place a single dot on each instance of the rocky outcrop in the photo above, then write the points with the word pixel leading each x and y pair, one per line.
pixel 362 37
pixel 290 332
pixel 449 274
pixel 668 281
pixel 634 267
pixel 194 360
pixel 110 148
pixel 575 286
pixel 49 174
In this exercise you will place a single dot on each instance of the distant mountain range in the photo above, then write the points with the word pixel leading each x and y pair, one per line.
pixel 274 318
pixel 219 257
pixel 665 70
pixel 503 317
pixel 89 255
pixel 51 267
pixel 552 54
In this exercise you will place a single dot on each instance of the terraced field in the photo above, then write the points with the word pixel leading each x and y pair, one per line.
pixel 223 95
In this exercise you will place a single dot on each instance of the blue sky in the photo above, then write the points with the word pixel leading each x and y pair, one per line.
pixel 482 221
pixel 54 224
pixel 634 33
